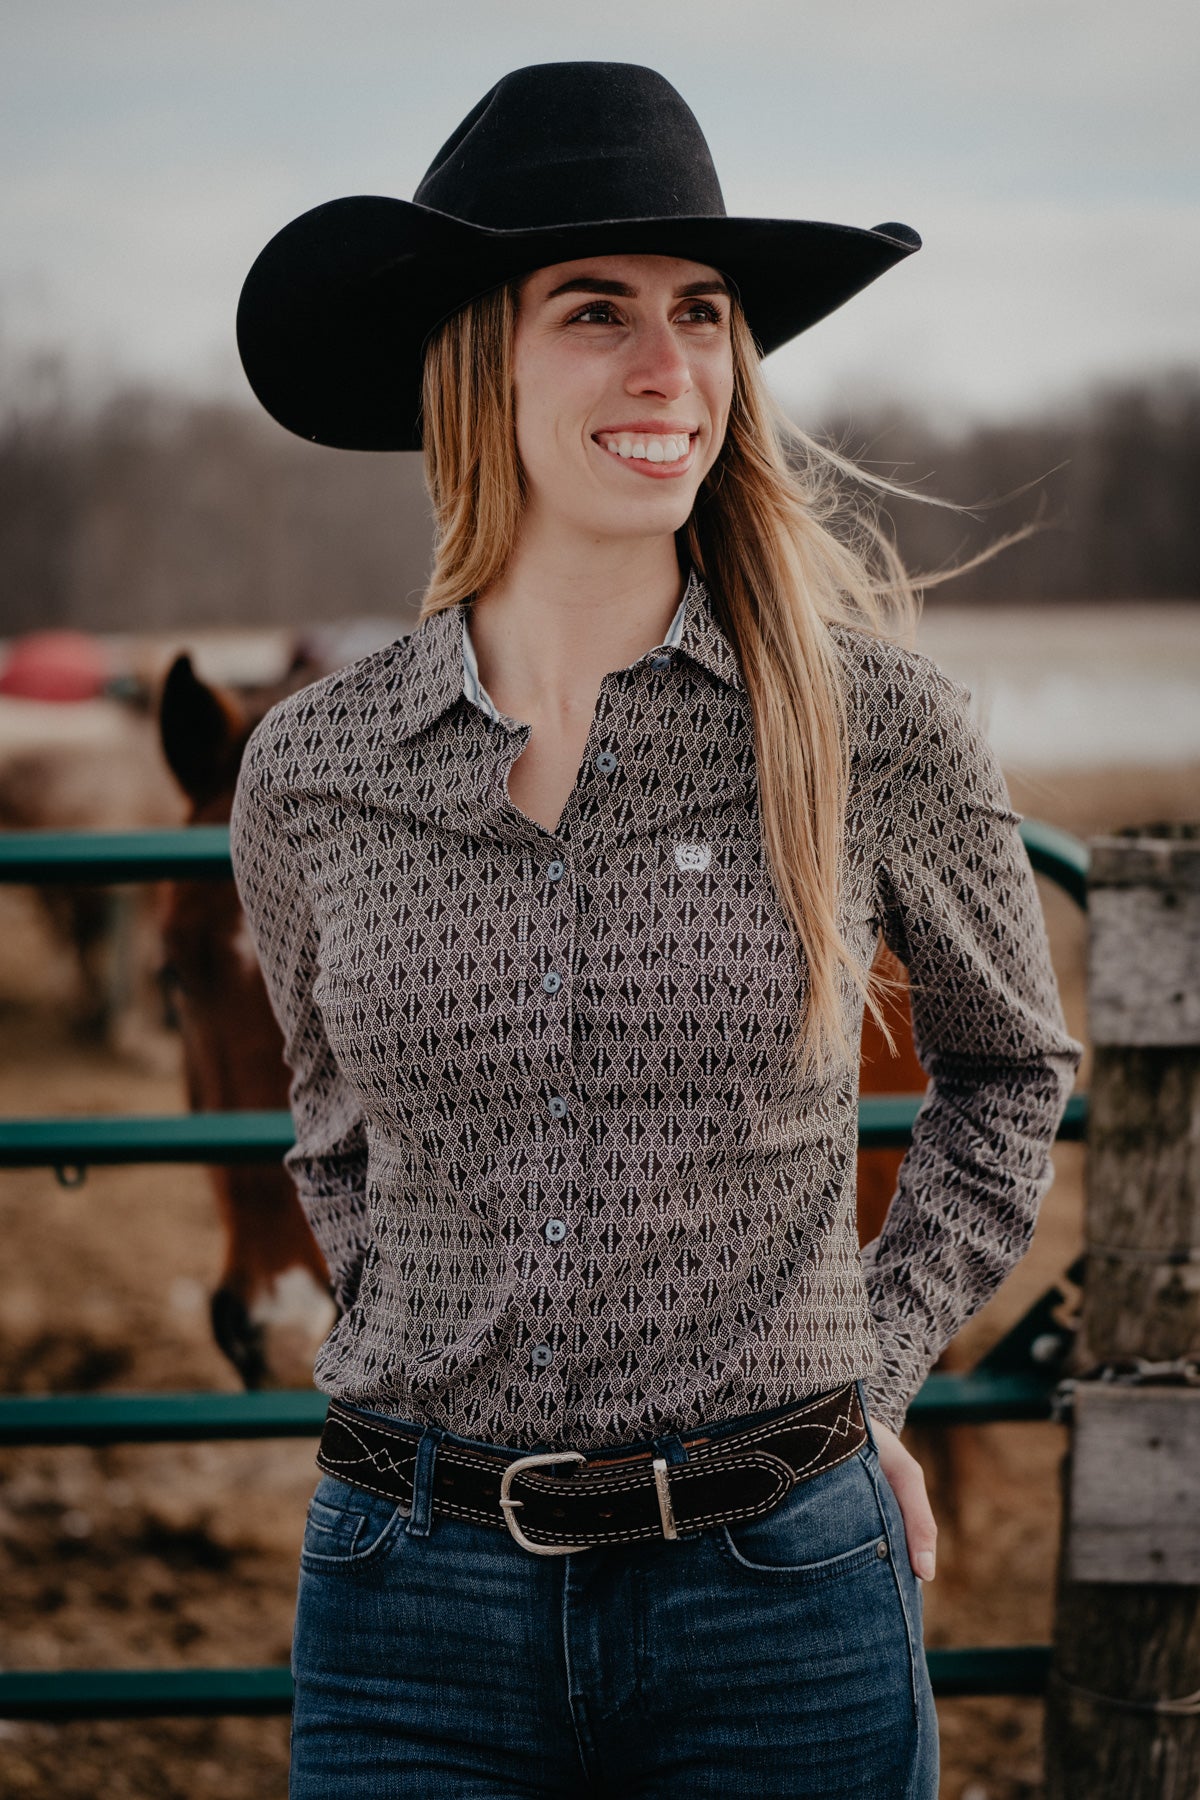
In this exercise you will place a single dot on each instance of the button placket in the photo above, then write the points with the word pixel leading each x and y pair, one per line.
pixel 558 896
pixel 552 981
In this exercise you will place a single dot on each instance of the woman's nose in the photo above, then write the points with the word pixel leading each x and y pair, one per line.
pixel 658 364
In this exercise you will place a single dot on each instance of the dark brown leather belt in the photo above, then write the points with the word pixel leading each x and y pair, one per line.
pixel 558 1501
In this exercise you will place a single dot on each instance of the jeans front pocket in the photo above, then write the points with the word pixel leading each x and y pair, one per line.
pixel 348 1528
pixel 799 1629
pixel 826 1528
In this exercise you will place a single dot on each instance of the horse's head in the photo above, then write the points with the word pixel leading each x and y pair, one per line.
pixel 272 1307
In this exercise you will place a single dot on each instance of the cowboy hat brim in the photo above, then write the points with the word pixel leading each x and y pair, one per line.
pixel 336 311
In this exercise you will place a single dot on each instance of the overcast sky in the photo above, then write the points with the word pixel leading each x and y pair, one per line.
pixel 1048 152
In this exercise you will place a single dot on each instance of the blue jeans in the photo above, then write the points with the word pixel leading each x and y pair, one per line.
pixel 438 1659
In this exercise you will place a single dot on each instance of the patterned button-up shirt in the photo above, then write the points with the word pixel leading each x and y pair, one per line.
pixel 548 1129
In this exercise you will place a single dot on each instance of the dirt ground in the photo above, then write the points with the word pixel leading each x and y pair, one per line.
pixel 145 1556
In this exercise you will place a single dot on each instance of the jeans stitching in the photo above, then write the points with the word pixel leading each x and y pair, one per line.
pixel 319 1564
pixel 915 1644
pixel 830 1568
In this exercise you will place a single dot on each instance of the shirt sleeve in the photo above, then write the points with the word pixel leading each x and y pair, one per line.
pixel 328 1161
pixel 959 906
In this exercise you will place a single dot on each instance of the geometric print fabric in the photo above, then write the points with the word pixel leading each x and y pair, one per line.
pixel 548 1134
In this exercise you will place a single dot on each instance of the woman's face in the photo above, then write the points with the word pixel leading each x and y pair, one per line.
pixel 624 376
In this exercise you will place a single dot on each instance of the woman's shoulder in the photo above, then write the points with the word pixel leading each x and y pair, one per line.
pixel 309 724
pixel 880 670
pixel 896 697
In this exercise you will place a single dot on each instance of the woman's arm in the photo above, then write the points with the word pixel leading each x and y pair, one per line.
pixel 960 907
pixel 329 1159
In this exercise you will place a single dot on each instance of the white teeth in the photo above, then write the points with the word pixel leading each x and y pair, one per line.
pixel 648 449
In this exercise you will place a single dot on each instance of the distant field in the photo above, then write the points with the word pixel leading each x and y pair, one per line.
pixel 1069 685
pixel 1073 686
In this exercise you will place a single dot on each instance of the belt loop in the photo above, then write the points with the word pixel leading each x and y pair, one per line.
pixel 671 1448
pixel 422 1501
pixel 866 1413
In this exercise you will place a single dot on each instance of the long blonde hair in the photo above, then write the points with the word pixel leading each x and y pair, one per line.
pixel 781 536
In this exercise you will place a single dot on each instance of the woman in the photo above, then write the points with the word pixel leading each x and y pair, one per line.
pixel 567 904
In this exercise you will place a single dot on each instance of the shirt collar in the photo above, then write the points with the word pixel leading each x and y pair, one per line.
pixel 444 670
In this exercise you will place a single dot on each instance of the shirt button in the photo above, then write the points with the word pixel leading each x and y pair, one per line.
pixel 554 871
pixel 558 1107
pixel 556 1230
pixel 606 762
pixel 660 662
pixel 552 981
pixel 540 1355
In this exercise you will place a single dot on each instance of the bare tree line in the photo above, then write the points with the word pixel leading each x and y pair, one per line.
pixel 1111 482
pixel 153 513
pixel 148 512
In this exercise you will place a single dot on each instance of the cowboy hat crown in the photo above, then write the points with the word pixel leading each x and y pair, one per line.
pixel 556 162
pixel 563 143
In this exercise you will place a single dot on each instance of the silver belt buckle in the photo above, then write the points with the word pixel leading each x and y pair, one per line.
pixel 509 1505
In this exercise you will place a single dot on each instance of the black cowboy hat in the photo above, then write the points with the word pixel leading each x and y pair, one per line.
pixel 557 161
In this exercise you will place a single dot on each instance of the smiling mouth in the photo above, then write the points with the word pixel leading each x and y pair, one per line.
pixel 641 446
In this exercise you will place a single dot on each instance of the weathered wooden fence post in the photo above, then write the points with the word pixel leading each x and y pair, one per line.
pixel 1123 1704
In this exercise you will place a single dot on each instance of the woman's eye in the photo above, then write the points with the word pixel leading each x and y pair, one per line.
pixel 706 312
pixel 603 312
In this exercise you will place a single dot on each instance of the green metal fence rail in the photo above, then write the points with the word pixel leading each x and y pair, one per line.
pixel 884 1122
pixel 217 1137
pixel 202 852
pixel 1063 859
pixel 185 1418
pixel 40 858
pixel 1009 1385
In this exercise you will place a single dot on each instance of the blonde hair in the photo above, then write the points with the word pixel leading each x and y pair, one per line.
pixel 787 549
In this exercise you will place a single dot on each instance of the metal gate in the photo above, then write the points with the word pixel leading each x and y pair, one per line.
pixel 1014 1381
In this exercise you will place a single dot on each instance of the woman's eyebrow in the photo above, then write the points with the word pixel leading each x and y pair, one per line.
pixel 597 284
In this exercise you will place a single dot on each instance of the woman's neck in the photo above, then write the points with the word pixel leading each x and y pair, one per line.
pixel 559 620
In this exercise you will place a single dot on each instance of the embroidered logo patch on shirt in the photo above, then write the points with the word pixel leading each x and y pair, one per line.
pixel 693 856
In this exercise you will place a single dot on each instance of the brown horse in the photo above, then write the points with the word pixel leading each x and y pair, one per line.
pixel 272 1306
pixel 91 765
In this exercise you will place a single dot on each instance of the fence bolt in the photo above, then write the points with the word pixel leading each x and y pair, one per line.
pixel 1123 1699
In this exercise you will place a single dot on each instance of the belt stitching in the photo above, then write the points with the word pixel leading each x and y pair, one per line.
pixel 547 1486
pixel 702 1519
pixel 682 1473
pixel 636 1477
pixel 747 1434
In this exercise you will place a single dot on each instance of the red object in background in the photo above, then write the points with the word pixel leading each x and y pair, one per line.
pixel 54 665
